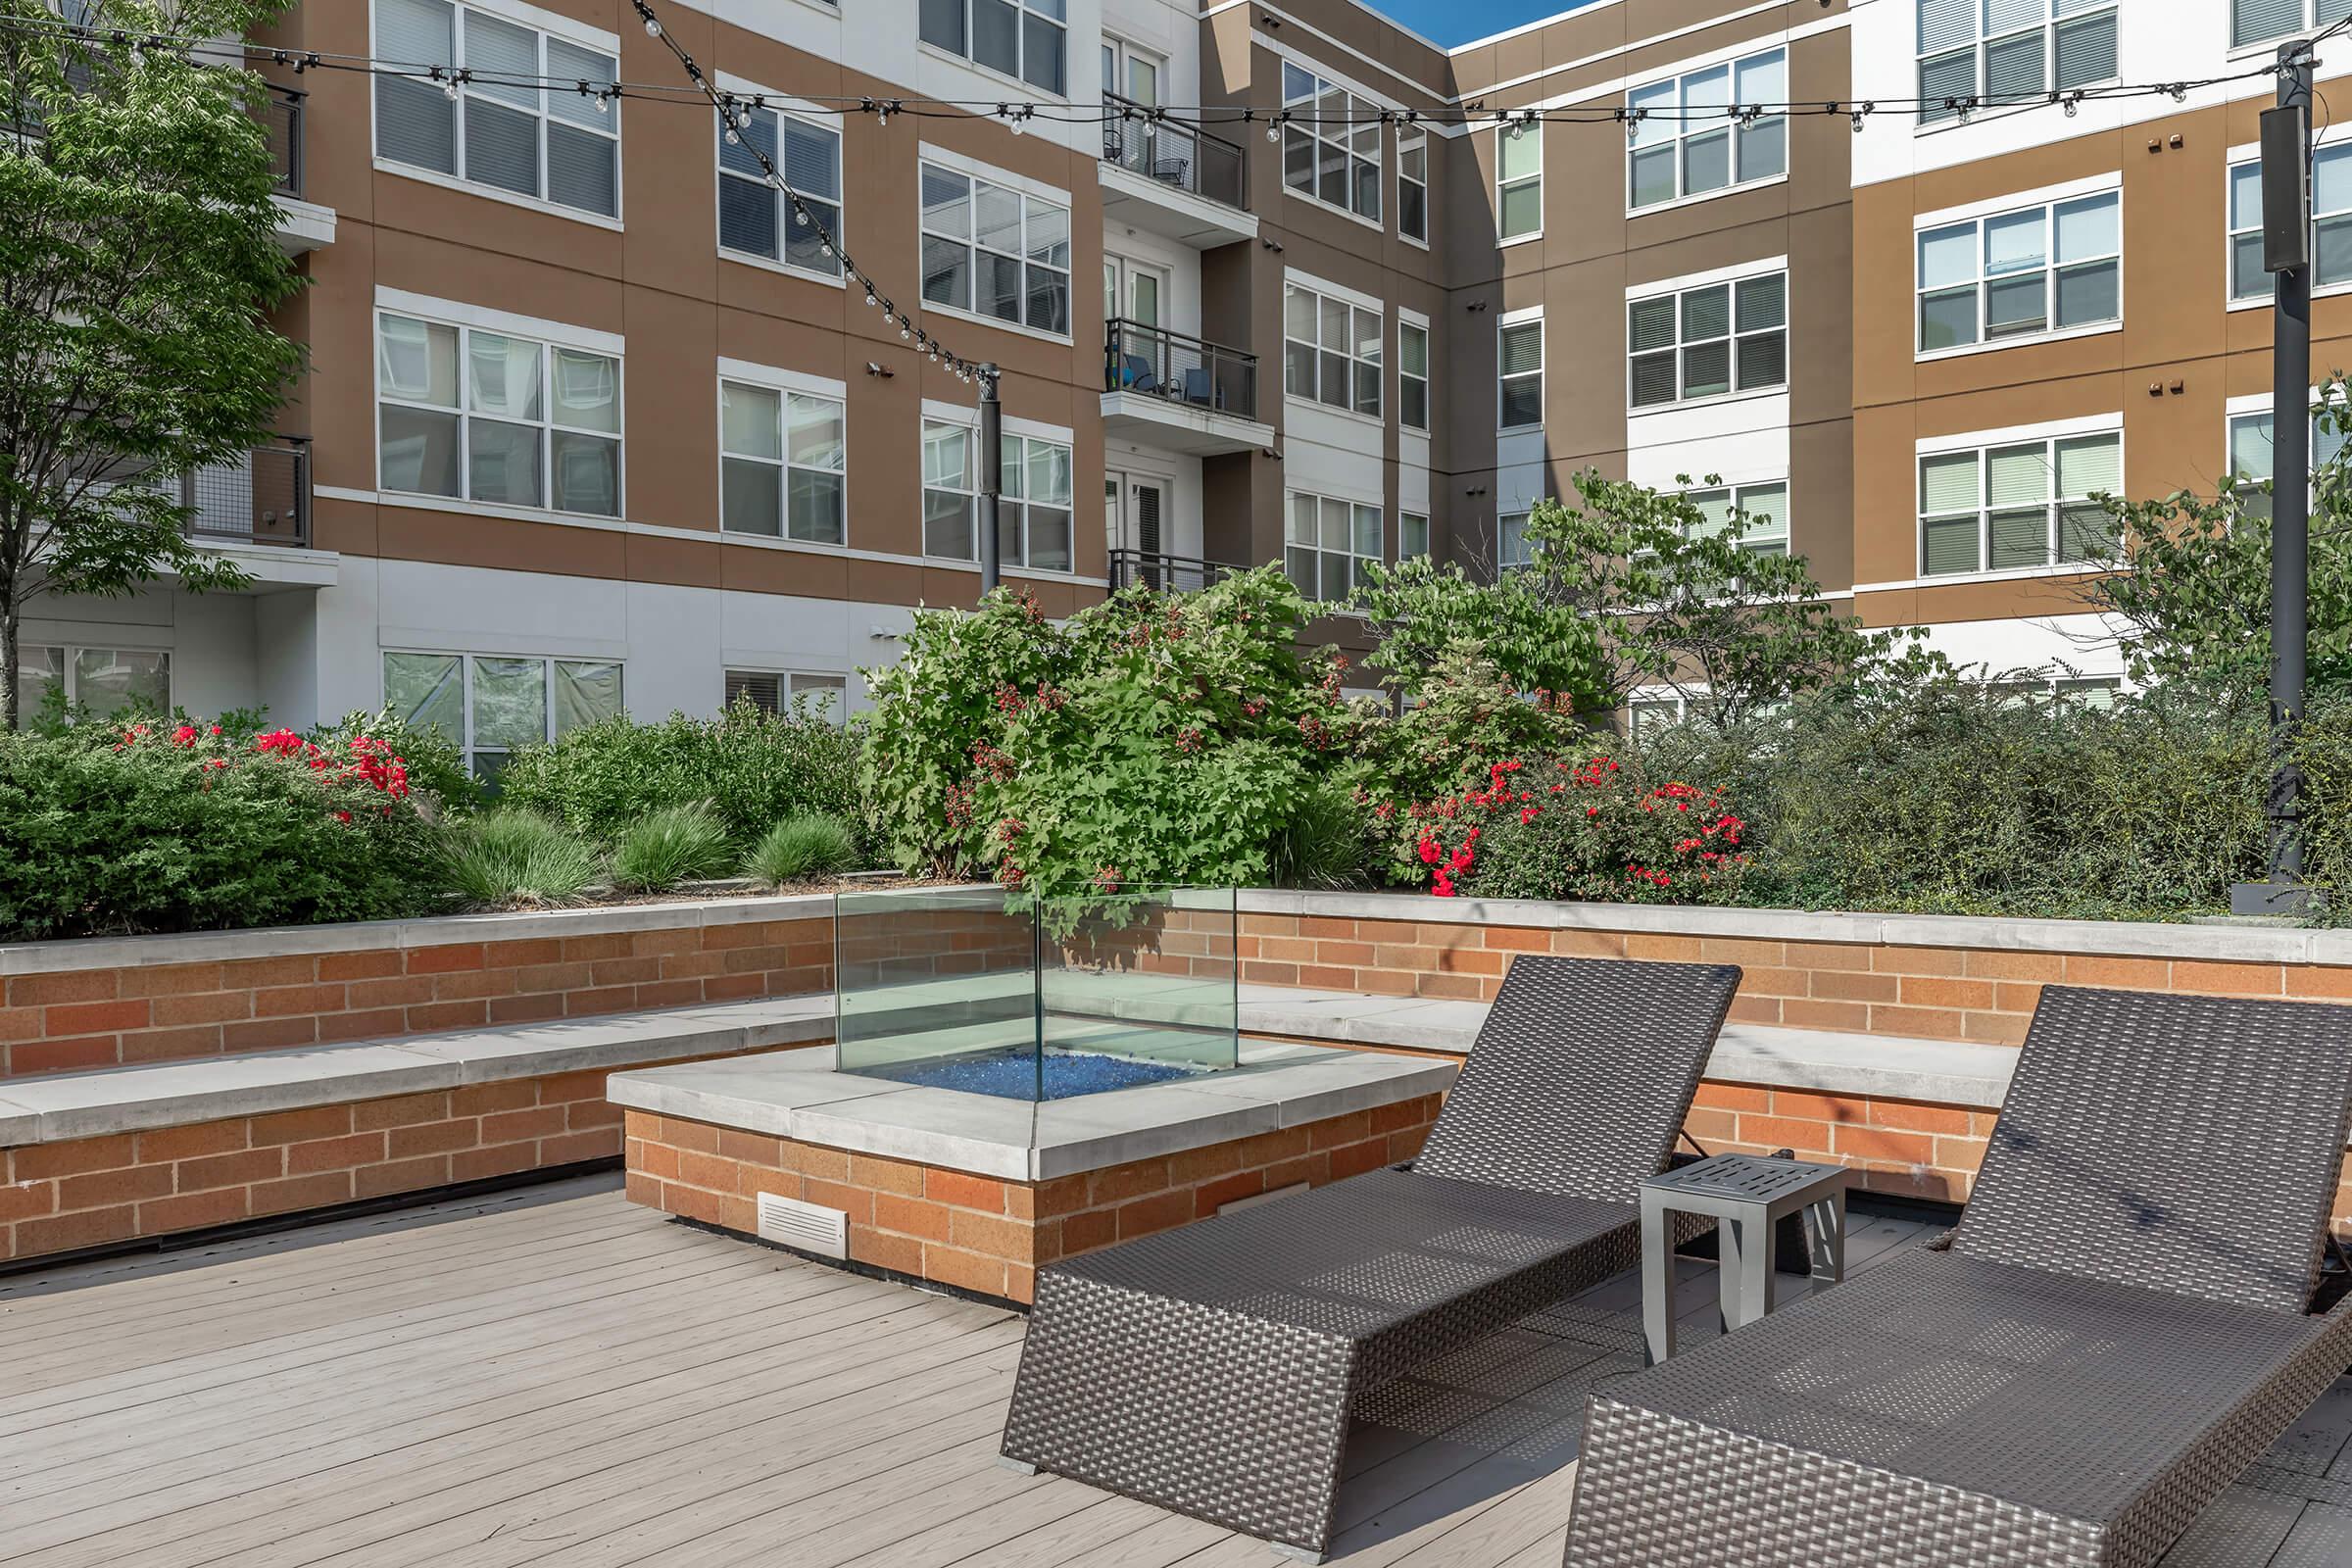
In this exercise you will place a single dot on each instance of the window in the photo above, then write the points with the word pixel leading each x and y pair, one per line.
pixel 2251 456
pixel 1691 134
pixel 2330 223
pixel 1412 186
pixel 753 218
pixel 1023 38
pixel 1139 82
pixel 783 463
pixel 996 253
pixel 1519 358
pixel 776 692
pixel 1412 375
pixel 1325 540
pixel 488 705
pixel 2021 504
pixel 1709 341
pixel 1511 543
pixel 1518 181
pixel 2019 274
pixel 1033 508
pixel 481 416
pixel 1412 535
pixel 105 680
pixel 1330 350
pixel 1331 143
pixel 2264 21
pixel 1765 506
pixel 2003 51
pixel 551 144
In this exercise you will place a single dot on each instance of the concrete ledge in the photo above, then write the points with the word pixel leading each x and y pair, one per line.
pixel 1884 1067
pixel 796 1095
pixel 121 1099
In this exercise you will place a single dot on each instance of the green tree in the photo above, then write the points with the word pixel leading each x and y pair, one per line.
pixel 2186 579
pixel 1426 613
pixel 138 263
pixel 1682 604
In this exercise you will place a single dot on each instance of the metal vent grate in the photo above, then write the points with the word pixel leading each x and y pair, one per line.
pixel 804 1227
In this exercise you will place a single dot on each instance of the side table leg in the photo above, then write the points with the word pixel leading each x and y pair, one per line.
pixel 1827 1229
pixel 1657 1281
pixel 1745 1287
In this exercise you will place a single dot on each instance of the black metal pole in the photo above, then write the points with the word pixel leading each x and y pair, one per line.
pixel 2287 256
pixel 992 479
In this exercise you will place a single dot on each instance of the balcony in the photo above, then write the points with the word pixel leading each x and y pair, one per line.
pixel 302 226
pixel 1179 393
pixel 1178 181
pixel 1165 575
pixel 262 500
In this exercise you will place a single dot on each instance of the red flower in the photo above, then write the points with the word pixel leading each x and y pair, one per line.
pixel 185 735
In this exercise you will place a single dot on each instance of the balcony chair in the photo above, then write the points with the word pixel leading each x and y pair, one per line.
pixel 2119 1326
pixel 1212 1369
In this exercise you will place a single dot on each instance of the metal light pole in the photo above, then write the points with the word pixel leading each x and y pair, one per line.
pixel 992 477
pixel 2286 257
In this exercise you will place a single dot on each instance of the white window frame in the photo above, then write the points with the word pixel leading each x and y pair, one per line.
pixel 1029 197
pixel 1014 503
pixel 1982 445
pixel 1357 364
pixel 1506 558
pixel 1512 322
pixel 2336 152
pixel 2315 14
pixel 1024 10
pixel 1682 128
pixel 1123 54
pixel 549 337
pixel 1413 534
pixel 2258 407
pixel 469 753
pixel 1681 346
pixel 1412 142
pixel 1354 140
pixel 1932 116
pixel 1735 497
pixel 782 110
pixel 786 386
pixel 1408 323
pixel 69 673
pixel 1317 552
pixel 547 26
pixel 1982 281
pixel 1520 133
pixel 830 686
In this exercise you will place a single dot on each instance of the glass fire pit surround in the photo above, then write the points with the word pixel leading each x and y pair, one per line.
pixel 993 991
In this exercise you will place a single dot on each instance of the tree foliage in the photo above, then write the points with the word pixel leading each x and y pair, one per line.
pixel 138 265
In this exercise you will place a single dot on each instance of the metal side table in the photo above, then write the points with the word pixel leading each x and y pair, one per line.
pixel 1748 1195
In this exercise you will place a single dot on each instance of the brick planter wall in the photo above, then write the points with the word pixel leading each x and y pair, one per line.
pixel 88 1192
pixel 377 982
pixel 981 1234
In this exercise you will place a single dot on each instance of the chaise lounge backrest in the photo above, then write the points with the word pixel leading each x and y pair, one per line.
pixel 1580 1076
pixel 2187 1143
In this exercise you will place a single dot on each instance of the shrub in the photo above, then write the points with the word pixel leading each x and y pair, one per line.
pixel 175 827
pixel 749 768
pixel 508 857
pixel 809 845
pixel 1324 845
pixel 674 845
pixel 1593 828
pixel 436 767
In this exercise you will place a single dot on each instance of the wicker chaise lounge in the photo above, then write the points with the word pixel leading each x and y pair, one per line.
pixel 2116 1329
pixel 1211 1369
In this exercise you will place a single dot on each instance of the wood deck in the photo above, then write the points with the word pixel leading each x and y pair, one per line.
pixel 556 1377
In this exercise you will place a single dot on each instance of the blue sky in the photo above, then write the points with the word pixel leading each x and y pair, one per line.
pixel 1453 22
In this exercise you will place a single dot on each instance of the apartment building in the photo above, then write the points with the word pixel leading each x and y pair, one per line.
pixel 593 422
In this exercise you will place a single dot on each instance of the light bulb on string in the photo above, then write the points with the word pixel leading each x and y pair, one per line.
pixel 652 27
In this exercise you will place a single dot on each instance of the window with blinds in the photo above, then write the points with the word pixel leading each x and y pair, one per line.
pixel 1760 513
pixel 1519 357
pixel 2044 269
pixel 2330 223
pixel 1709 342
pixel 1707 130
pixel 2017 505
pixel 1974 53
pixel 821 696
pixel 753 217
pixel 2254 21
pixel 551 144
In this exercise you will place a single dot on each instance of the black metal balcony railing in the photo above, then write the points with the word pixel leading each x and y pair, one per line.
pixel 1153 360
pixel 1162 574
pixel 264 500
pixel 1180 156
pixel 280 114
